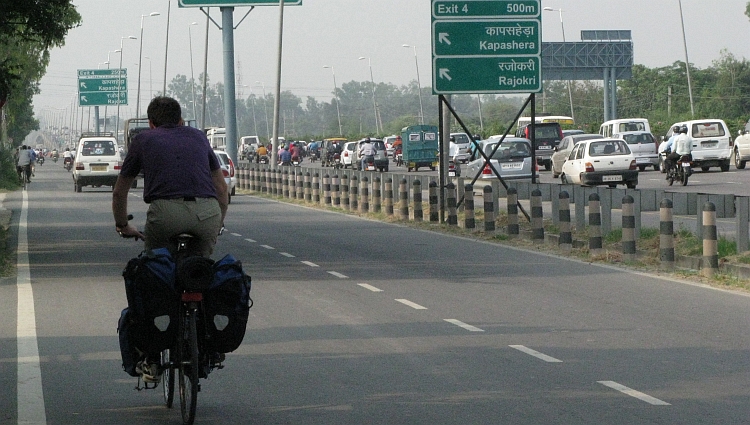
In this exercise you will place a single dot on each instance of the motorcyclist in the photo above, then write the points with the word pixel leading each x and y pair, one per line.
pixel 285 157
pixel 682 146
pixel 668 148
pixel 260 152
pixel 295 152
pixel 366 149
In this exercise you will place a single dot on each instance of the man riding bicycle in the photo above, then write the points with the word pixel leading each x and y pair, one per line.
pixel 23 165
pixel 184 196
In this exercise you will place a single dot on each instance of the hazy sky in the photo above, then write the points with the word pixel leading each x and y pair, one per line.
pixel 337 32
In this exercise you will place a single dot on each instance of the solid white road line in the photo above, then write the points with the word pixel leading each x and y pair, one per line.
pixel 30 392
pixel 286 254
pixel 536 354
pixel 370 287
pixel 339 275
pixel 464 325
pixel 309 263
pixel 411 304
pixel 250 240
pixel 267 247
pixel 633 393
pixel 236 234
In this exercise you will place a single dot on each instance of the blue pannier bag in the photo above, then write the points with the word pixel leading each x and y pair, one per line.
pixel 153 302
pixel 227 303
pixel 130 355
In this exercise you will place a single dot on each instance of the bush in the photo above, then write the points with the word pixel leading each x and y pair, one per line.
pixel 8 176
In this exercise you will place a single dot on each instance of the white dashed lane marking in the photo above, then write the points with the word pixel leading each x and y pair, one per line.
pixel 250 240
pixel 339 275
pixel 411 304
pixel 464 325
pixel 236 234
pixel 536 354
pixel 286 254
pixel 633 393
pixel 267 247
pixel 370 287
pixel 310 263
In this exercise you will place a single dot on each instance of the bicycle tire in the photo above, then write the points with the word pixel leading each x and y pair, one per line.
pixel 167 378
pixel 189 370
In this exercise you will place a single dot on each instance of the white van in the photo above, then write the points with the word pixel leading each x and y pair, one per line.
pixel 711 143
pixel 612 127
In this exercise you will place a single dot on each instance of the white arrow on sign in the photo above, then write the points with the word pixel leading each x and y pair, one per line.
pixel 83 85
pixel 84 99
pixel 443 38
pixel 444 73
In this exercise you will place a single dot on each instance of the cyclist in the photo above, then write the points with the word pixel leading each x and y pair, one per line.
pixel 185 196
pixel 23 166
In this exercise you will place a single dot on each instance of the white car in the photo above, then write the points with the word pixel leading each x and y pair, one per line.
pixel 227 168
pixel 601 162
pixel 460 147
pixel 348 154
pixel 712 143
pixel 562 151
pixel 97 161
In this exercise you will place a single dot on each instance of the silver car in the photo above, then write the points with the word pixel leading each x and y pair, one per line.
pixel 644 147
pixel 562 151
pixel 512 159
pixel 227 168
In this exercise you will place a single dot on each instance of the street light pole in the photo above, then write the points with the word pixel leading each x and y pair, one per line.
pixel 192 74
pixel 570 91
pixel 166 49
pixel 140 57
pixel 419 85
pixel 105 106
pixel 119 85
pixel 336 94
pixel 374 102
pixel 687 62
pixel 265 110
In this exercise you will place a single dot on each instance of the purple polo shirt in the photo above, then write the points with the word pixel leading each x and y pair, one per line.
pixel 176 162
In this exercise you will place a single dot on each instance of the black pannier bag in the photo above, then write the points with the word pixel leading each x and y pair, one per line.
pixel 153 302
pixel 227 303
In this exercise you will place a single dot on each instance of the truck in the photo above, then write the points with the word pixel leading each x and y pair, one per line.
pixel 420 147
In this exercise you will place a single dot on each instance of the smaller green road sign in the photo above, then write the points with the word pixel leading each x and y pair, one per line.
pixel 518 74
pixel 442 9
pixel 234 3
pixel 486 37
pixel 102 98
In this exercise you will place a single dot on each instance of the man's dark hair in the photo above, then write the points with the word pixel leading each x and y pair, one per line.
pixel 164 110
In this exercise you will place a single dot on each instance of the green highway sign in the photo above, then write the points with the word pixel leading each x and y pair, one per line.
pixel 234 3
pixel 102 87
pixel 486 46
pixel 102 98
pixel 442 9
pixel 486 37
pixel 487 75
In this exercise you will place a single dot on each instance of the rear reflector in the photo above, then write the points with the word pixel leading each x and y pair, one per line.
pixel 192 296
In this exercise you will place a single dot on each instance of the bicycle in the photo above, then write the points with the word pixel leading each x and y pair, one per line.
pixel 24 175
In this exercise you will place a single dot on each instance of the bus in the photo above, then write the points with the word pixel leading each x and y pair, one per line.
pixel 563 120
pixel 217 137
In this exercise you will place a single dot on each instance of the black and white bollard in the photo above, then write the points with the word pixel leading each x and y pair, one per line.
pixel 489 210
pixel 285 184
pixel 433 195
pixel 666 235
pixel 403 196
pixel 300 187
pixel 327 190
pixel 354 194
pixel 469 220
pixel 364 196
pixel 565 243
pixel 710 241
pixel 628 229
pixel 345 191
pixel 450 199
pixel 514 229
pixel 376 195
pixel 316 188
pixel 335 191
pixel 595 225
pixel 389 197
pixel 537 217
pixel 308 188
pixel 417 196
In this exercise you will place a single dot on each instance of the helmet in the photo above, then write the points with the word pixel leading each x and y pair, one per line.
pixel 453 139
pixel 683 129
pixel 676 129
pixel 477 137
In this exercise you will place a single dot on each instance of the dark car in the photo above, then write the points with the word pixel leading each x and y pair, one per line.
pixel 381 155
pixel 546 138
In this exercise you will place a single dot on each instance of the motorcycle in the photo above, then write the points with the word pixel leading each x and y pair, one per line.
pixel 369 163
pixel 54 158
pixel 40 160
pixel 681 171
pixel 399 158
pixel 337 164
pixel 68 163
pixel 264 159
pixel 296 161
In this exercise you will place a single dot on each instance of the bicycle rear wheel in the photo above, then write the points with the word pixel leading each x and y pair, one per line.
pixel 167 378
pixel 188 371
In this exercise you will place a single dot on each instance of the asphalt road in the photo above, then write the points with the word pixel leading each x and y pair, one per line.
pixel 361 322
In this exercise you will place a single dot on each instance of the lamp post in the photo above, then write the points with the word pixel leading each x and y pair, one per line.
pixel 119 85
pixel 252 99
pixel 336 94
pixel 105 106
pixel 562 25
pixel 192 74
pixel 265 110
pixel 374 102
pixel 687 62
pixel 140 57
pixel 150 80
pixel 419 84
